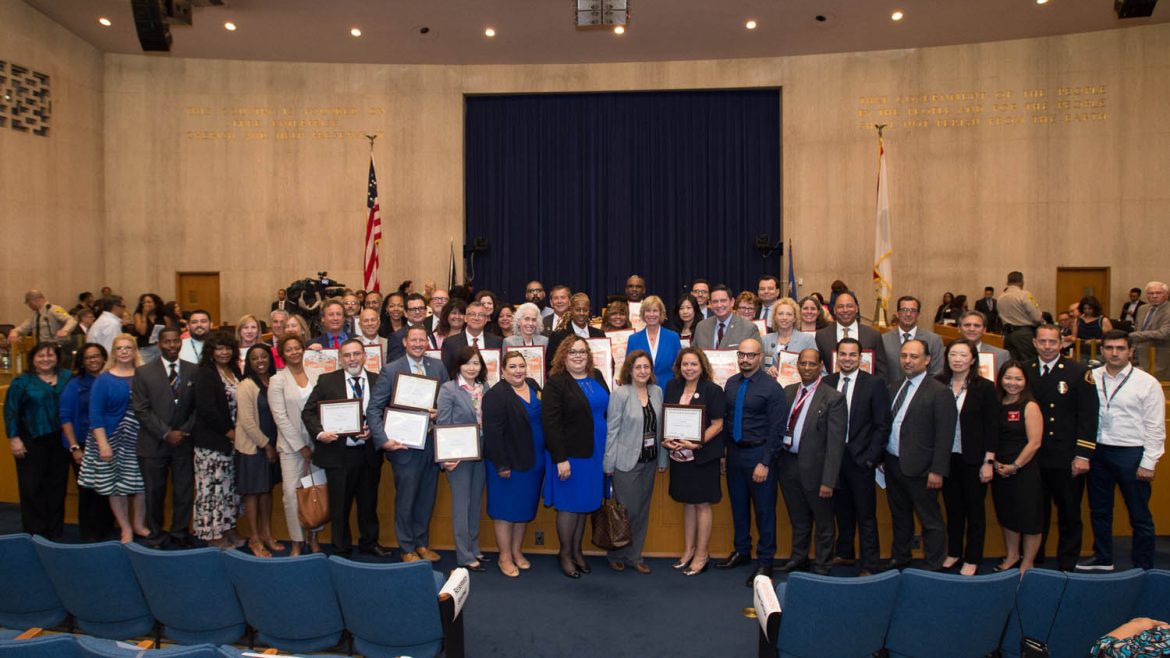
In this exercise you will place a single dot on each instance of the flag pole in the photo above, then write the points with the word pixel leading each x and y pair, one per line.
pixel 371 278
pixel 882 256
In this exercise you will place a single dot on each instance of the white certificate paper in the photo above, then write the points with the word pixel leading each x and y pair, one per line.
pixel 724 364
pixel 534 357
pixel 685 422
pixel 341 416
pixel 374 357
pixel 619 339
pixel 415 391
pixel 786 372
pixel 407 426
pixel 987 366
pixel 322 361
pixel 602 358
pixel 636 316
pixel 491 365
pixel 456 443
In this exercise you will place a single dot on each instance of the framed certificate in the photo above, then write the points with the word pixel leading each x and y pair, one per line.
pixel 636 316
pixel 987 366
pixel 322 361
pixel 786 372
pixel 602 358
pixel 374 358
pixel 415 391
pixel 434 354
pixel 684 343
pixel 762 326
pixel 407 426
pixel 341 416
pixel 456 443
pixel 685 422
pixel 534 356
pixel 724 364
pixel 491 365
pixel 618 340
pixel 866 362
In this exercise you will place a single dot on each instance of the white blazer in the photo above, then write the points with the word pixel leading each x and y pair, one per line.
pixel 284 399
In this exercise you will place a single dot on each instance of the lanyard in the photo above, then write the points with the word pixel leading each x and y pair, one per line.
pixel 1105 391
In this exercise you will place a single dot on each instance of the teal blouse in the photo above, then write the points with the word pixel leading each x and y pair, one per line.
pixel 32 407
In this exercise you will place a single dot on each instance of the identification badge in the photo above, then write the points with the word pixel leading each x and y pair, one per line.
pixel 1013 416
pixel 1062 387
pixel 647 440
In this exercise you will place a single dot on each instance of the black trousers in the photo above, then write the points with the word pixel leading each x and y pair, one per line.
pixel 95 519
pixel 855 505
pixel 41 476
pixel 909 496
pixel 356 480
pixel 179 468
pixel 964 496
pixel 804 508
pixel 1064 491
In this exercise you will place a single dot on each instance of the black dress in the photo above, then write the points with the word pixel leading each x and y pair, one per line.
pixel 697 481
pixel 1019 499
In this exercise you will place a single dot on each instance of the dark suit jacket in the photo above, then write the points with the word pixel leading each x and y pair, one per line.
pixel 822 438
pixel 332 386
pixel 289 305
pixel 928 430
pixel 979 420
pixel 156 409
pixel 711 397
pixel 869 338
pixel 1068 399
pixel 395 349
pixel 213 418
pixel 507 434
pixel 1125 305
pixel 982 306
pixel 567 417
pixel 554 341
pixel 453 345
pixel 869 418
pixel 547 324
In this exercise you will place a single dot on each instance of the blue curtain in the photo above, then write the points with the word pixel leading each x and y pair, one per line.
pixel 586 189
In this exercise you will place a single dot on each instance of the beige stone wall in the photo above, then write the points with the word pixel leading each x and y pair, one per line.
pixel 969 202
pixel 51 204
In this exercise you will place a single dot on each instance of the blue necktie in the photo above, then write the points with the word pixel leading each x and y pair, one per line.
pixel 737 426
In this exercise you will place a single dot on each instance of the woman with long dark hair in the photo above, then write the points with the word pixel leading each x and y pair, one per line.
pixel 151 316
pixel 217 501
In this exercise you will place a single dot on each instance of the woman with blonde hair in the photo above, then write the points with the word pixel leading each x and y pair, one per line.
pixel 247 335
pixel 660 343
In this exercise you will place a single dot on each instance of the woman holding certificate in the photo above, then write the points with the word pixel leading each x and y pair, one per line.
pixel 785 337
pixel 461 403
pixel 287 392
pixel 526 327
pixel 660 343
pixel 573 414
pixel 513 447
pixel 634 452
pixel 694 464
pixel 256 469
pixel 214 435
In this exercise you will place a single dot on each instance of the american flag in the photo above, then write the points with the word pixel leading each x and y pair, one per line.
pixel 373 231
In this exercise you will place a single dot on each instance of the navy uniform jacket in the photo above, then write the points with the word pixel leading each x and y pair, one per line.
pixel 1068 399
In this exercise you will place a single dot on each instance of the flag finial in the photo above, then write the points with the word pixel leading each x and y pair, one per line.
pixel 371 137
pixel 880 127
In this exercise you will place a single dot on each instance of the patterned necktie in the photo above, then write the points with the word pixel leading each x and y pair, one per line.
pixel 901 398
pixel 905 337
pixel 173 378
pixel 417 368
pixel 719 335
pixel 846 329
pixel 356 383
pixel 795 415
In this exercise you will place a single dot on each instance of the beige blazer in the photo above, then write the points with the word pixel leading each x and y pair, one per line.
pixel 284 399
pixel 248 434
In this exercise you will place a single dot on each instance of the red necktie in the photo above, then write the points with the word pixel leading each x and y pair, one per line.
pixel 336 343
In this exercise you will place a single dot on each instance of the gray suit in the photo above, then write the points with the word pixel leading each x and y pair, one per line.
pixel 633 481
pixel 1002 356
pixel 799 342
pixel 159 411
pixel 816 463
pixel 467 479
pixel 517 341
pixel 892 343
pixel 415 474
pixel 736 331
pixel 1156 335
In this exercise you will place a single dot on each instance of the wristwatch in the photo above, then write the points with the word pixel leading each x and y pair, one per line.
pixel 74 448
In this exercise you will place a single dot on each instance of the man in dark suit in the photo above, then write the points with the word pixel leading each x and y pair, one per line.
pixel 1129 310
pixel 990 310
pixel 724 329
pixel 753 426
pixel 810 462
pixel 907 329
pixel 1067 396
pixel 416 475
pixel 439 299
pixel 701 291
pixel 918 457
pixel 768 292
pixel 867 403
pixel 473 334
pixel 163 399
pixel 558 302
pixel 846 325
pixel 282 303
pixel 416 315
pixel 352 466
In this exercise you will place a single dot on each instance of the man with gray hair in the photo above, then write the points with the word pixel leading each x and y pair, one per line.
pixel 1153 331
pixel 49 322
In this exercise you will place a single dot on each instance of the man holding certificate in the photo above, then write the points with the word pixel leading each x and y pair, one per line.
pixel 410 385
pixel 335 416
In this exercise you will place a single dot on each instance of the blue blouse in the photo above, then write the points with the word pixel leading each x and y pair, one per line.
pixel 108 400
pixel 75 406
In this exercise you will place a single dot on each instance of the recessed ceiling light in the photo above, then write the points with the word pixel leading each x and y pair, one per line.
pixel 353 31
pixel 105 21
pixel 751 25
pixel 896 16
pixel 229 26
pixel 619 30
pixel 490 32
pixel 1041 2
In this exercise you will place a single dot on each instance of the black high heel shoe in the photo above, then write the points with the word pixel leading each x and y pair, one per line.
pixel 695 572
pixel 571 571
pixel 683 562
pixel 582 565
pixel 997 568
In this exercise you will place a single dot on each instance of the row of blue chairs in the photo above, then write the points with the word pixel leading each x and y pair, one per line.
pixel 207 596
pixel 919 614
pixel 83 646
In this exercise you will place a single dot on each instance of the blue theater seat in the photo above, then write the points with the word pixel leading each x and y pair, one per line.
pixel 408 593
pixel 940 615
pixel 27 597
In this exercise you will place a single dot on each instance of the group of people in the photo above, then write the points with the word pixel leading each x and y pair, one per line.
pixel 224 417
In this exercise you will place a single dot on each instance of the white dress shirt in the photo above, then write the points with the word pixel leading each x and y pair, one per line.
pixel 580 331
pixel 350 441
pixel 913 331
pixel 806 392
pixel 192 350
pixel 477 341
pixel 853 332
pixel 911 386
pixel 1132 414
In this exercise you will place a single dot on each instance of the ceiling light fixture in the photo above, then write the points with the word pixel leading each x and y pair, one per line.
pixel 602 14
pixel 490 32
pixel 1041 2
pixel 105 21
pixel 896 16
pixel 355 32
pixel 619 30
pixel 229 26
pixel 751 25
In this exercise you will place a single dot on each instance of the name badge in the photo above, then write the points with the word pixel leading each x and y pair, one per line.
pixel 1013 416
pixel 647 440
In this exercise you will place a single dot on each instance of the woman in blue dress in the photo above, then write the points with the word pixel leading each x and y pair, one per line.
pixel 513 447
pixel 574 405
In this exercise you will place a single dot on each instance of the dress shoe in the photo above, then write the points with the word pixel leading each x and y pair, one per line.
pixel 410 556
pixel 760 571
pixel 427 554
pixel 794 565
pixel 513 572
pixel 736 559
pixel 521 562
pixel 617 566
pixel 154 541
pixel 582 565
pixel 642 567
pixel 844 562
pixel 184 540
pixel 682 562
pixel 343 552
pixel 378 550
pixel 1000 567
pixel 894 564
pixel 483 558
pixel 478 568
pixel 691 571
pixel 569 569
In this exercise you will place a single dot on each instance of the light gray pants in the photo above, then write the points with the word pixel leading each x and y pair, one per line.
pixel 467 482
pixel 633 489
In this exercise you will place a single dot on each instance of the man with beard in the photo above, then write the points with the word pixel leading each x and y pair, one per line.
pixel 198 326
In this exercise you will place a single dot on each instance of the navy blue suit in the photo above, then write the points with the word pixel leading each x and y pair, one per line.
pixel 668 349
pixel 765 411
pixel 415 473
pixel 325 340
pixel 855 503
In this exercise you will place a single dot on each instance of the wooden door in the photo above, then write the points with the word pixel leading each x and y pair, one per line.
pixel 198 290
pixel 1073 283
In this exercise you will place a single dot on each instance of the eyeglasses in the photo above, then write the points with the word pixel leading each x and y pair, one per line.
pixel 411 309
pixel 747 355
pixel 578 352
pixel 908 310
pixel 475 315
pixel 534 290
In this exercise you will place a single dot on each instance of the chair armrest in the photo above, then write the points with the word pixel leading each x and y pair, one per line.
pixel 452 597
pixel 768 611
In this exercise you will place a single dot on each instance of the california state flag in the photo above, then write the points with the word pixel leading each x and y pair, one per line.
pixel 883 248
